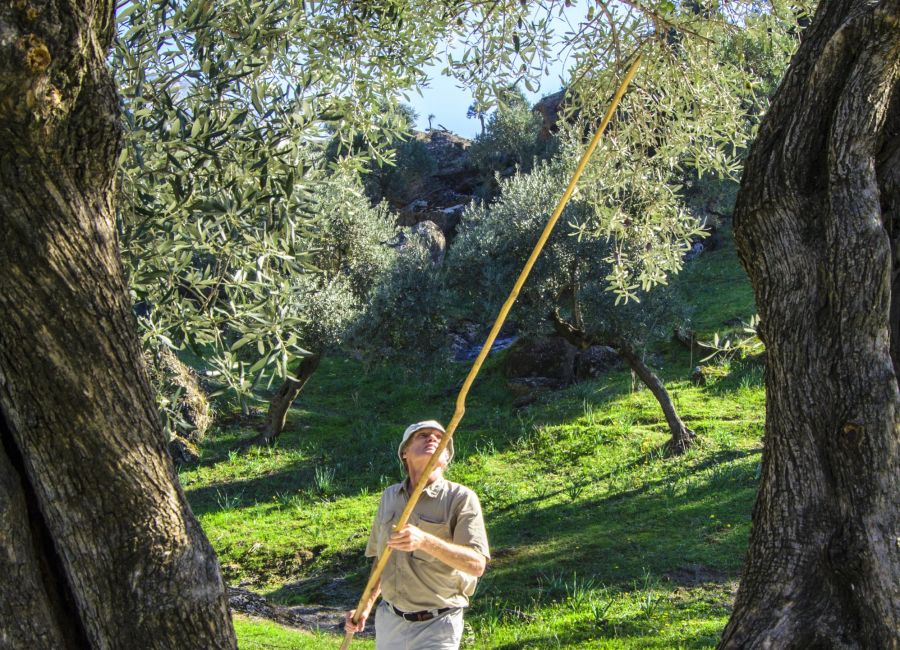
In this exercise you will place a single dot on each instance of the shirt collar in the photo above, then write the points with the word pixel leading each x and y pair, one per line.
pixel 432 490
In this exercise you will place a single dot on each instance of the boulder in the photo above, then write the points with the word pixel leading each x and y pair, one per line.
pixel 449 152
pixel 425 234
pixel 430 236
pixel 444 207
pixel 183 452
pixel 180 393
pixel 551 358
pixel 467 338
pixel 549 108
pixel 596 361
pixel 527 390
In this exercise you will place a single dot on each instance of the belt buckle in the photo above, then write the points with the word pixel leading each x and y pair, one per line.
pixel 424 616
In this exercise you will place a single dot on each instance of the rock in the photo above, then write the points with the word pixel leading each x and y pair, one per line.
pixel 448 150
pixel 528 389
pixel 446 218
pixel 694 252
pixel 180 389
pixel 183 452
pixel 419 205
pixel 552 359
pixel 425 234
pixel 595 361
pixel 467 338
pixel 704 375
pixel 431 237
pixel 714 240
pixel 307 617
pixel 549 108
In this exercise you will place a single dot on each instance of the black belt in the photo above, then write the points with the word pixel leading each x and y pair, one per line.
pixel 424 615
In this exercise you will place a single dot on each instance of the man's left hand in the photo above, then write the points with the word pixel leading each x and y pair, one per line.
pixel 408 538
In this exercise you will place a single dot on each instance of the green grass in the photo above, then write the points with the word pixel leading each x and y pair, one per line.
pixel 259 634
pixel 599 540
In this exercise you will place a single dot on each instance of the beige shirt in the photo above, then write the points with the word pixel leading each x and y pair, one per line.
pixel 416 581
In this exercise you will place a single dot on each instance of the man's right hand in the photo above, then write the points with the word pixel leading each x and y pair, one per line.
pixel 359 626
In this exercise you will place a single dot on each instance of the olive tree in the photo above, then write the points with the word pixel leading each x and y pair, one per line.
pixel 225 167
pixel 567 290
pixel 816 229
pixel 351 261
pixel 98 546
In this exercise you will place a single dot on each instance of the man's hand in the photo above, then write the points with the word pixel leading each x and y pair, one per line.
pixel 463 558
pixel 350 626
pixel 408 538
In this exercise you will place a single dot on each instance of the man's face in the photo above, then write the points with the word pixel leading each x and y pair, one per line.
pixel 421 446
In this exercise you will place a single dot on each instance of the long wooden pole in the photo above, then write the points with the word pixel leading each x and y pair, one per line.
pixel 498 323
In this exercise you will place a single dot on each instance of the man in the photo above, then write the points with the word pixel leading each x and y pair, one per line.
pixel 437 557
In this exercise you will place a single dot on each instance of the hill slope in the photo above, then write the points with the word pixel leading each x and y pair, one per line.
pixel 599 540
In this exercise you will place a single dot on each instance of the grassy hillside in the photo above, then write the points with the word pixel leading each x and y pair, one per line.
pixel 598 539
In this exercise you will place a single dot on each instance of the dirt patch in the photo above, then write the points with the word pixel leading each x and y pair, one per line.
pixel 256 564
pixel 306 617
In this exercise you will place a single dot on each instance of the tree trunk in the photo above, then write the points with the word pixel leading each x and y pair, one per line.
pixel 290 389
pixel 98 546
pixel 682 437
pixel 816 229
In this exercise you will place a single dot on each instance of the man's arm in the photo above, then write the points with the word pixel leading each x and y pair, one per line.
pixel 361 623
pixel 461 558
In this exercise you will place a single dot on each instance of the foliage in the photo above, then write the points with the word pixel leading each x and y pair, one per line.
pixel 223 172
pixel 741 344
pixel 695 103
pixel 405 179
pixel 399 172
pixel 572 272
pixel 405 318
pixel 322 303
pixel 510 138
pixel 227 106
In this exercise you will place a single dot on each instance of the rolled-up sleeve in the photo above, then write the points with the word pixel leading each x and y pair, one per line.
pixel 469 529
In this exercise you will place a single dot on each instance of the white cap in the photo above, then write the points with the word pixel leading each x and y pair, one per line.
pixel 418 426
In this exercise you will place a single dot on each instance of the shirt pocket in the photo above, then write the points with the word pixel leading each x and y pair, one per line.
pixel 440 529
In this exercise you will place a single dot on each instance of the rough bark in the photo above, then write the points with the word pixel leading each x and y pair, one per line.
pixel 815 225
pixel 26 609
pixel 95 527
pixel 287 393
pixel 682 437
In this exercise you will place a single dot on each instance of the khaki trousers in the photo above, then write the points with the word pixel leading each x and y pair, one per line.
pixel 393 632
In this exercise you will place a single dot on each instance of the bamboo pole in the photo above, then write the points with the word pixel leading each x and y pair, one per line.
pixel 498 323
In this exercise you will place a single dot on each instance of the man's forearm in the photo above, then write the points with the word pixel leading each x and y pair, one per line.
pixel 376 591
pixel 461 558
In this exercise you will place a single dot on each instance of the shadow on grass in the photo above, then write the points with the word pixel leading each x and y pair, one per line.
pixel 617 537
pixel 307 479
